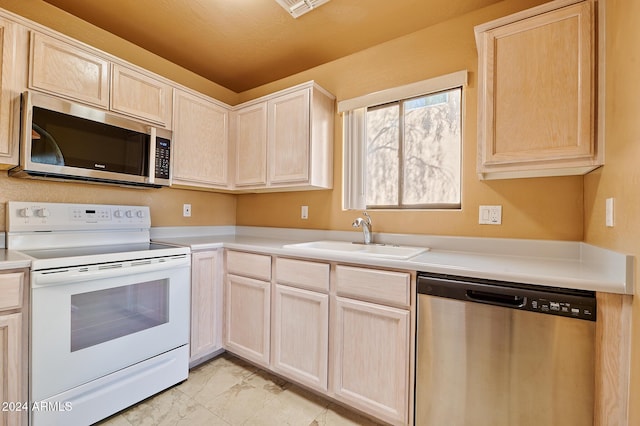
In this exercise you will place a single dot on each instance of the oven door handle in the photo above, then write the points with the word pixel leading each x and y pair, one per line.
pixel 110 270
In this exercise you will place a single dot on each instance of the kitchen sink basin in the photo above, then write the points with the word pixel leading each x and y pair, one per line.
pixel 390 251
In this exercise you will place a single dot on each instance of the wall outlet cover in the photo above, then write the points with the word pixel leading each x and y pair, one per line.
pixel 490 215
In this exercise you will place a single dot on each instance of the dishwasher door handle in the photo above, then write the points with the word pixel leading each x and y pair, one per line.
pixel 498 299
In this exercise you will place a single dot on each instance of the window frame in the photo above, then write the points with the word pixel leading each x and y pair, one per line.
pixel 354 137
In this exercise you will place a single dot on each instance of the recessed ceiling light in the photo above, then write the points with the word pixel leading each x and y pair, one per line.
pixel 300 7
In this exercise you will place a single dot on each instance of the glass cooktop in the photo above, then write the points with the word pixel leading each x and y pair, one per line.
pixel 57 253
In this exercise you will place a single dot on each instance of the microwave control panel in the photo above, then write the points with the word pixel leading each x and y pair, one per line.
pixel 163 156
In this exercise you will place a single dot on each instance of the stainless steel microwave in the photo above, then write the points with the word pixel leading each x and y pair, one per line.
pixel 63 140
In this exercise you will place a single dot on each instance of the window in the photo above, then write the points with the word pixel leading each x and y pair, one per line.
pixel 405 152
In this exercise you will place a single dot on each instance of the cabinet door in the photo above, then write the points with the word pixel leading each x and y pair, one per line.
pixel 200 142
pixel 536 100
pixel 62 69
pixel 141 96
pixel 289 141
pixel 11 368
pixel 206 304
pixel 247 318
pixel 9 96
pixel 371 369
pixel 251 145
pixel 301 335
pixel 12 287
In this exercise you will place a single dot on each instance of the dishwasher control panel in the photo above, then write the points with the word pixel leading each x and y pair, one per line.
pixel 570 303
pixel 562 308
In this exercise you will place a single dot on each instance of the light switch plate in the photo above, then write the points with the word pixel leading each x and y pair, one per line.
pixel 609 212
pixel 304 212
pixel 490 215
pixel 186 210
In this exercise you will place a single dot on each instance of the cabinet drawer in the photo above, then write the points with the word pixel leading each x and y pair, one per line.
pixel 249 265
pixel 11 290
pixel 301 273
pixel 387 287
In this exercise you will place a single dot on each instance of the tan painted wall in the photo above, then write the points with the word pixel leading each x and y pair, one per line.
pixel 550 208
pixel 620 177
pixel 165 203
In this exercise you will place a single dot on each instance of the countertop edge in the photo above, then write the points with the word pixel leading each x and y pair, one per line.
pixel 563 264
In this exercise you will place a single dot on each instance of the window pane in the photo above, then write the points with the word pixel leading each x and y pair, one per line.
pixel 382 165
pixel 432 143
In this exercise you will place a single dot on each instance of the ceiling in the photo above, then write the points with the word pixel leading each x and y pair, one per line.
pixel 242 44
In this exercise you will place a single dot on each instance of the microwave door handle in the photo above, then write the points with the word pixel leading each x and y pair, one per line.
pixel 27 119
pixel 152 155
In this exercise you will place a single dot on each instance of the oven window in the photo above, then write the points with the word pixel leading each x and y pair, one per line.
pixel 104 315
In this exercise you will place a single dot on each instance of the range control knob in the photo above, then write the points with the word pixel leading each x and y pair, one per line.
pixel 129 213
pixel 140 213
pixel 43 212
pixel 25 212
pixel 117 213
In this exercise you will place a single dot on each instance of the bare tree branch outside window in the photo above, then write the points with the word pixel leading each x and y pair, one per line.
pixel 413 152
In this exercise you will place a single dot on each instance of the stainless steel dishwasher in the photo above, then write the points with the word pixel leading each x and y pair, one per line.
pixel 498 353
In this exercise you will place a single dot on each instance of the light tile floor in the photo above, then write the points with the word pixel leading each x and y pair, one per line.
pixel 228 391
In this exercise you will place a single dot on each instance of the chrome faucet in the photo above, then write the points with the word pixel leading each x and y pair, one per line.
pixel 366 226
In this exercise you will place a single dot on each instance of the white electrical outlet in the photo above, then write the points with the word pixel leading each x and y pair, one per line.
pixel 609 220
pixel 186 210
pixel 490 215
pixel 304 212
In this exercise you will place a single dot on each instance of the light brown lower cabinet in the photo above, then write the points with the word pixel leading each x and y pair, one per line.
pixel 11 367
pixel 206 306
pixel 301 335
pixel 343 331
pixel 371 364
pixel 13 347
pixel 248 318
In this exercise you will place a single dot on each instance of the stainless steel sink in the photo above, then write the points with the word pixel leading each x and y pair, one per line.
pixel 390 251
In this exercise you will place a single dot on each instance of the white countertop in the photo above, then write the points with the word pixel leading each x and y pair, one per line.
pixel 562 264
pixel 10 259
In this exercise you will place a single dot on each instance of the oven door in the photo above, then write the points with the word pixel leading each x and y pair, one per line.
pixel 90 321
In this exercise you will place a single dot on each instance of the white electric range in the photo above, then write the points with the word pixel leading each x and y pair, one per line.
pixel 109 309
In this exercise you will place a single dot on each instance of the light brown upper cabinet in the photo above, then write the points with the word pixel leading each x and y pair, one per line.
pixel 200 142
pixel 141 96
pixel 289 138
pixel 79 73
pixel 250 125
pixel 63 69
pixel 9 94
pixel 293 148
pixel 537 98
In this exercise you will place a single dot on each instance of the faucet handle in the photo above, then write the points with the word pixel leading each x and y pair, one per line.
pixel 367 216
